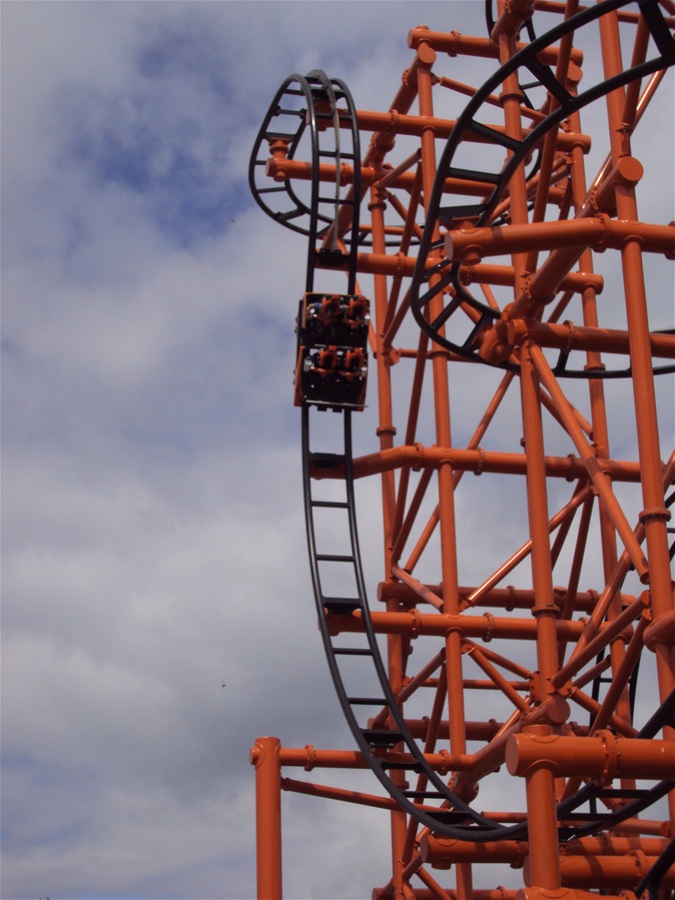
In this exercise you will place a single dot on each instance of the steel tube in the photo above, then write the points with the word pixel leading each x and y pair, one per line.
pixel 392 122
pixel 576 337
pixel 470 245
pixel 283 169
pixel 456 44
pixel 414 623
pixel 610 871
pixel 400 265
pixel 603 756
pixel 265 758
pixel 442 852
pixel 544 858
pixel 507 598
pixel 419 456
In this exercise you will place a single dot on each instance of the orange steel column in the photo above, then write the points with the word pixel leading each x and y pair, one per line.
pixel 385 433
pixel 545 610
pixel 265 758
pixel 540 783
pixel 511 99
pixel 544 858
pixel 449 567
pixel 595 385
pixel 655 515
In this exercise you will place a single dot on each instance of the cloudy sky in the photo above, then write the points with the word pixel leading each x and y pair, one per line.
pixel 153 539
pixel 153 536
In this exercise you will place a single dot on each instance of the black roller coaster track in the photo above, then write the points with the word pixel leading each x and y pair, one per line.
pixel 453 817
pixel 308 104
pixel 446 274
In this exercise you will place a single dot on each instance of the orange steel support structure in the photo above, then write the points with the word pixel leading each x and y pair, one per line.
pixel 500 259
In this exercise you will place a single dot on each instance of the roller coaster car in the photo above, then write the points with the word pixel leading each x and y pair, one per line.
pixel 332 364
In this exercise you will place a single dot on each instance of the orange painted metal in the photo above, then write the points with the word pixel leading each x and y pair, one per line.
pixel 525 478
pixel 600 233
pixel 457 44
pixel 442 852
pixel 265 758
pixel 394 122
pixel 606 757
pixel 611 872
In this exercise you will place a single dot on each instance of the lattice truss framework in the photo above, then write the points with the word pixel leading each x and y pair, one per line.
pixel 498 265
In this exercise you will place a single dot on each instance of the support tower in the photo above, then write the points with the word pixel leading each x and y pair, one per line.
pixel 486 333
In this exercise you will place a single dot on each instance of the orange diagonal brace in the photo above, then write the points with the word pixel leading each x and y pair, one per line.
pixel 592 464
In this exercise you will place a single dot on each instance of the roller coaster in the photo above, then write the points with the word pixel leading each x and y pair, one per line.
pixel 517 323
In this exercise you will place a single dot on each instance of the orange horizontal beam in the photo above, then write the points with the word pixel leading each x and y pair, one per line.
pixel 603 755
pixel 442 852
pixel 561 7
pixel 418 457
pixel 488 273
pixel 643 826
pixel 475 731
pixel 506 598
pixel 310 758
pixel 394 123
pixel 610 871
pixel 575 337
pixel 414 623
pixel 499 893
pixel 403 266
pixel 455 44
pixel 598 232
pixel 282 169
pixel 613 844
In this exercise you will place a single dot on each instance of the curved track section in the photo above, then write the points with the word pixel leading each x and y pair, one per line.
pixel 351 665
pixel 444 278
pixel 454 818
pixel 305 108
